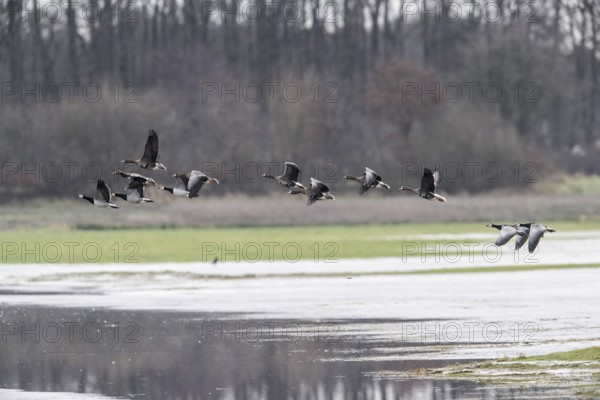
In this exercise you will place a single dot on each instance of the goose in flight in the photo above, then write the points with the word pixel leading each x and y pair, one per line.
pixel 148 160
pixel 135 194
pixel 429 183
pixel 135 178
pixel 369 179
pixel 507 232
pixel 102 197
pixel 317 190
pixel 289 179
pixel 189 184
pixel 536 233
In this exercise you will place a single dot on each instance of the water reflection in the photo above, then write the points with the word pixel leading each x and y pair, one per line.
pixel 154 355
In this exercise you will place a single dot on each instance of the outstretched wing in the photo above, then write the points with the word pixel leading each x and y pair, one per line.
pixel 136 187
pixel 506 233
pixel 428 181
pixel 102 191
pixel 122 173
pixel 181 181
pixel 522 239
pixel 536 232
pixel 319 186
pixel 371 178
pixel 315 191
pixel 135 179
pixel 151 150
pixel 291 172
pixel 436 179
pixel 195 182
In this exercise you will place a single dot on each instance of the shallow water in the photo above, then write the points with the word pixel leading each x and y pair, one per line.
pixel 175 355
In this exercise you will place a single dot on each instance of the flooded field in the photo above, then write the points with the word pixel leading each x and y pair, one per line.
pixel 362 329
pixel 137 354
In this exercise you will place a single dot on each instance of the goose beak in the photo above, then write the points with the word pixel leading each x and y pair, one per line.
pixel 213 180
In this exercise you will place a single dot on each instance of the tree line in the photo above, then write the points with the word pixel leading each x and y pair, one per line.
pixel 349 82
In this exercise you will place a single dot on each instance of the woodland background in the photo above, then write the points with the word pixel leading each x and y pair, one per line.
pixel 385 83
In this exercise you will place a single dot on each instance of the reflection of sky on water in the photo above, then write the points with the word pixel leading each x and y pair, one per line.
pixel 191 356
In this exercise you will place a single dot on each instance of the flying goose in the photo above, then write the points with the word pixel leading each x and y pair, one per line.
pixel 135 194
pixel 536 233
pixel 189 184
pixel 317 190
pixel 522 239
pixel 367 180
pixel 429 184
pixel 506 233
pixel 148 160
pixel 289 179
pixel 102 197
pixel 135 178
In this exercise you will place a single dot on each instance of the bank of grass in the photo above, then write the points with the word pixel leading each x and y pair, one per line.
pixel 586 354
pixel 232 244
pixel 574 373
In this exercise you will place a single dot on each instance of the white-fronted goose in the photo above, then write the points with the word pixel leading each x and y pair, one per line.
pixel 135 178
pixel 148 160
pixel 369 179
pixel 317 190
pixel 102 197
pixel 135 194
pixel 429 183
pixel 507 232
pixel 189 184
pixel 536 233
pixel 289 179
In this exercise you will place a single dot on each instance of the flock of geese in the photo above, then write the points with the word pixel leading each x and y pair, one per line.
pixel 188 185
pixel 532 231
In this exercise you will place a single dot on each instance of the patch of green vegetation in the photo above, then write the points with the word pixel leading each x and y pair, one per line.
pixel 149 275
pixel 63 245
pixel 575 184
pixel 591 394
pixel 543 371
pixel 507 268
pixel 587 354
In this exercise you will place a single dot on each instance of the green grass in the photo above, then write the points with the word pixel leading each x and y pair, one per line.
pixel 147 276
pixel 546 371
pixel 230 244
pixel 587 354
